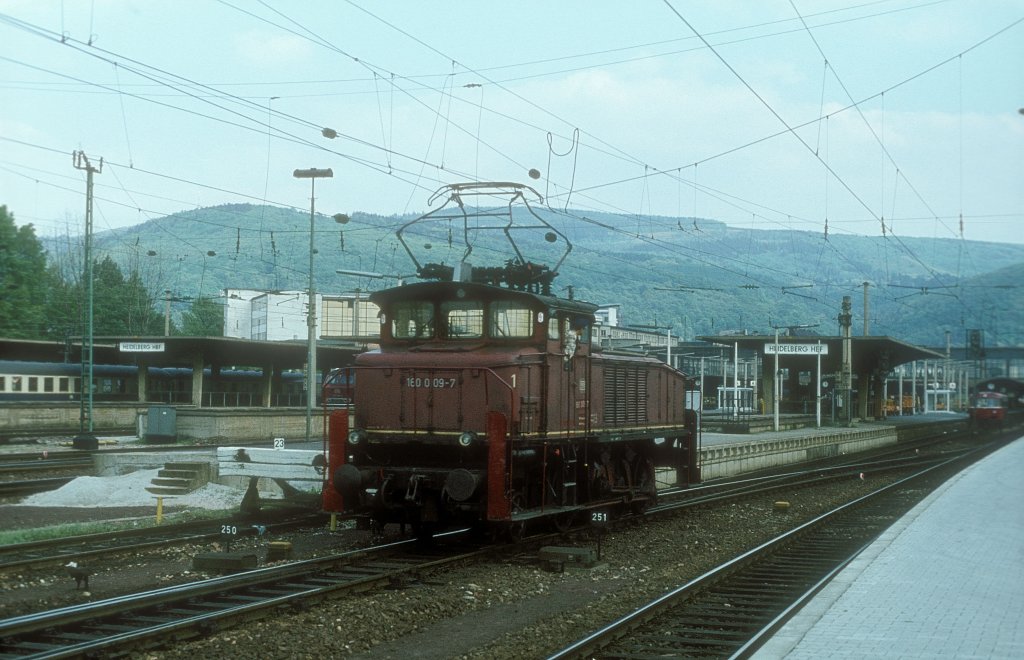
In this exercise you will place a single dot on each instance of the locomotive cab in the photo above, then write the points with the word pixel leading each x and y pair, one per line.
pixel 451 354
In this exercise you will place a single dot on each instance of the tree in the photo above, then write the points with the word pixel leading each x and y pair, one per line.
pixel 63 307
pixel 120 306
pixel 23 280
pixel 204 319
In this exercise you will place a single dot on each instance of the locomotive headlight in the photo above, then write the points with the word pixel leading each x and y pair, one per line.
pixel 355 437
pixel 467 438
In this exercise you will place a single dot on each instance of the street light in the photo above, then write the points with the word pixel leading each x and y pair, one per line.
pixel 312 174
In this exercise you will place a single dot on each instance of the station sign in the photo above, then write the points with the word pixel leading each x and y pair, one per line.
pixel 141 346
pixel 797 349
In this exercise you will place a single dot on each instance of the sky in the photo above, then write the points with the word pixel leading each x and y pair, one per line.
pixel 887 117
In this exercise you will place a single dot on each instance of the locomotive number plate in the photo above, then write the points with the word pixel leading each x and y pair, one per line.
pixel 431 383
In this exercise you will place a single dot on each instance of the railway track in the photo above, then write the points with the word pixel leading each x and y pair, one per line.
pixel 30 486
pixel 730 610
pixel 923 450
pixel 59 550
pixel 182 612
pixel 37 462
pixel 14 468
pixel 52 551
pixel 193 621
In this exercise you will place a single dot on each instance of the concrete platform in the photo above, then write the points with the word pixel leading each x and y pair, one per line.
pixel 945 581
pixel 731 454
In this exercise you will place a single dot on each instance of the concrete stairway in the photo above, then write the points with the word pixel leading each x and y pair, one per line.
pixel 179 478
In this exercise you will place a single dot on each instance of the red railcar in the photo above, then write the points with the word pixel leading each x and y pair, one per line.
pixel 988 409
pixel 488 405
pixel 338 388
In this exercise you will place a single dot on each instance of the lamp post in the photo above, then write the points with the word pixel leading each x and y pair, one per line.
pixel 312 174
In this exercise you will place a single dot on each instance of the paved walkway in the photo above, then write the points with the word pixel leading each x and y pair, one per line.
pixel 945 581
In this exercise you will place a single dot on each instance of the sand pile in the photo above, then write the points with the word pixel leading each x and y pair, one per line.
pixel 130 490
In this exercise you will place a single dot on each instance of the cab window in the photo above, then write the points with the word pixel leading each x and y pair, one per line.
pixel 579 327
pixel 553 328
pixel 510 320
pixel 412 320
pixel 463 319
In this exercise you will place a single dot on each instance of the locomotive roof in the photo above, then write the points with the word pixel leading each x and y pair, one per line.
pixel 448 290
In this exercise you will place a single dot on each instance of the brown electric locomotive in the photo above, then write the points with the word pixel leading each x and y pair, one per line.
pixel 489 405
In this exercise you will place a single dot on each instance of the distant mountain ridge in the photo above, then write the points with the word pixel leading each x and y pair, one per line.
pixel 699 276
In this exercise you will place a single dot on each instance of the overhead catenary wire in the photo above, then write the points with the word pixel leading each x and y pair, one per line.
pixel 694 188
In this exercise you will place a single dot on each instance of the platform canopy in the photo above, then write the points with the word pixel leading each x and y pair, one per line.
pixel 182 351
pixel 871 355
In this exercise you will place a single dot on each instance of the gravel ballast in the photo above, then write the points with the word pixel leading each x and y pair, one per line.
pixel 512 608
pixel 505 607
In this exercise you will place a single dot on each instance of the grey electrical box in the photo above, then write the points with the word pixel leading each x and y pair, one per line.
pixel 161 424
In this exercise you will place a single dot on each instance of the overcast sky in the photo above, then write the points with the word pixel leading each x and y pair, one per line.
pixel 899 116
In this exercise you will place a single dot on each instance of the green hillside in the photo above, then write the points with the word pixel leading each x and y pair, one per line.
pixel 696 275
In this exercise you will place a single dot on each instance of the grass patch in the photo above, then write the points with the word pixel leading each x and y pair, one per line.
pixel 33 534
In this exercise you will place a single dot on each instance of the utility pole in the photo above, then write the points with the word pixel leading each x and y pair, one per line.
pixel 668 346
pixel 776 385
pixel 736 380
pixel 846 376
pixel 81 162
pixel 946 369
pixel 167 312
pixel 866 285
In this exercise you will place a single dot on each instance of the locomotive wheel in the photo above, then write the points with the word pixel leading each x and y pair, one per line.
pixel 516 531
pixel 640 505
pixel 424 531
pixel 376 530
pixel 564 521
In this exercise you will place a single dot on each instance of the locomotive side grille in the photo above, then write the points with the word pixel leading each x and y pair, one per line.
pixel 625 396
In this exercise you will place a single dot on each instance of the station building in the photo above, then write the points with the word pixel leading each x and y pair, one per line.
pixel 735 374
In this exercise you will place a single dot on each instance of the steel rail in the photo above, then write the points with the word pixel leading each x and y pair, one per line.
pixel 30 486
pixel 745 487
pixel 39 463
pixel 144 620
pixel 48 551
pixel 731 606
